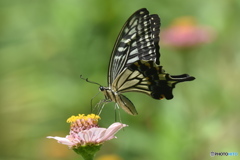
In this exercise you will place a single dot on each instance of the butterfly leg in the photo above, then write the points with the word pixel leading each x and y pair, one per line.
pixel 92 101
pixel 100 105
pixel 117 113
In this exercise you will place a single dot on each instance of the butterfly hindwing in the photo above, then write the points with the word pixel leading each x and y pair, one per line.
pixel 149 78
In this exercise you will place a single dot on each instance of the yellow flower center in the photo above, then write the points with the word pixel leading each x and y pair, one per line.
pixel 82 122
pixel 73 119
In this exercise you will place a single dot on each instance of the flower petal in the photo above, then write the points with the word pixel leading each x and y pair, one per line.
pixel 111 131
pixel 83 137
pixel 63 141
pixel 98 133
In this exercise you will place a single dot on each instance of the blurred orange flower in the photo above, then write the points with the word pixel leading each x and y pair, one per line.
pixel 186 33
pixel 109 157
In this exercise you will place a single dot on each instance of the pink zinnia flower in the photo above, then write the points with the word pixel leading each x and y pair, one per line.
pixel 185 33
pixel 84 130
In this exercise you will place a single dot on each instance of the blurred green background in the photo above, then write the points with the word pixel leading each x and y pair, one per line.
pixel 45 45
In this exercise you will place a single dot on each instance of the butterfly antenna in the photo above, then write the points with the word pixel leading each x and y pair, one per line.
pixel 86 79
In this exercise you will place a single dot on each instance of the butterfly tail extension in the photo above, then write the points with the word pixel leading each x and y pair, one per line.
pixel 172 80
pixel 126 105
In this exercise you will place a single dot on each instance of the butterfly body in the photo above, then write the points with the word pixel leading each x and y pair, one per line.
pixel 134 64
pixel 114 96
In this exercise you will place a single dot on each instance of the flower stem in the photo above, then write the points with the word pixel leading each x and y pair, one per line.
pixel 87 152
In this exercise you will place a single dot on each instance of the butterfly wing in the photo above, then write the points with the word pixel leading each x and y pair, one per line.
pixel 149 78
pixel 134 65
pixel 138 40
pixel 145 77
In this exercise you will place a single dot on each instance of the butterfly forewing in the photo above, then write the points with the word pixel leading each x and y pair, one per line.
pixel 138 40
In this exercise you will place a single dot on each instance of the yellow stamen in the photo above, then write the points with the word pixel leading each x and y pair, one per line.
pixel 73 119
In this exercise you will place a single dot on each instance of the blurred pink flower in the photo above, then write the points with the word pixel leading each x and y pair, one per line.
pixel 84 131
pixel 185 33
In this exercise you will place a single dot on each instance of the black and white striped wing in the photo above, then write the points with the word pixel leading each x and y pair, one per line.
pixel 134 65
pixel 148 78
pixel 138 40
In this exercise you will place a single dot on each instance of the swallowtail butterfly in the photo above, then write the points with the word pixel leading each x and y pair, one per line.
pixel 134 64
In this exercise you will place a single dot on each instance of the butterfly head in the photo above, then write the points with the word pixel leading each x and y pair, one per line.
pixel 101 88
pixel 106 91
